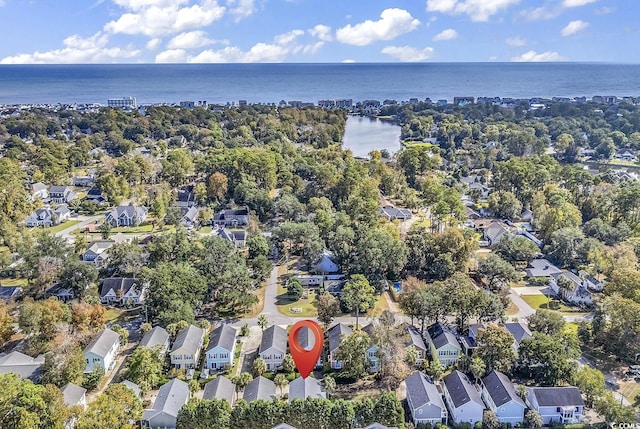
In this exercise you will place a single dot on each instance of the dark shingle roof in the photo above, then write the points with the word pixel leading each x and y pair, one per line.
pixel 274 336
pixel 122 284
pixel 422 391
pixel 500 389
pixel 259 388
pixel 557 396
pixel 219 388
pixel 518 330
pixel 461 390
pixel 441 336
pixel 335 335
pixel 223 336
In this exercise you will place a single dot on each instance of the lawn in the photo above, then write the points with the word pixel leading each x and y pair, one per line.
pixel 304 307
pixel 512 309
pixel 112 314
pixel 63 226
pixel 133 229
pixel 541 301
pixel 257 308
pixel 381 305
pixel 13 282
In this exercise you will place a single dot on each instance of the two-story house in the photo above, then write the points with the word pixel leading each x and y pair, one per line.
pixel 47 217
pixel 222 347
pixel 102 351
pixel 220 388
pixel 500 397
pixel 61 194
pixel 74 396
pixel 126 216
pixel 260 388
pixel 372 351
pixel 157 338
pixel 462 398
pixel 39 191
pixel 556 404
pixel 97 252
pixel 570 288
pixel 416 342
pixel 424 400
pixel 273 347
pixel 336 333
pixel 443 344
pixel 123 291
pixel 303 388
pixel 186 348
pixel 238 238
pixel 164 414
pixel 185 197
pixel 232 217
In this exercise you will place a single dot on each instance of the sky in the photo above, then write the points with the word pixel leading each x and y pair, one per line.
pixel 318 31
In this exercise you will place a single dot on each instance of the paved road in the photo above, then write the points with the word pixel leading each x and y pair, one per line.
pixel 84 221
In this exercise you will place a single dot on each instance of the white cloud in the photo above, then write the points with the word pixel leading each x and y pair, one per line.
pixel 161 17
pixel 172 56
pixel 447 34
pixel 260 52
pixel 241 8
pixel 534 57
pixel 604 10
pixel 288 38
pixel 153 44
pixel 77 50
pixel 312 48
pixel 348 61
pixel 515 41
pixel 322 32
pixel 408 53
pixel 574 27
pixel 2 3
pixel 392 23
pixel 478 10
pixel 577 3
pixel 190 40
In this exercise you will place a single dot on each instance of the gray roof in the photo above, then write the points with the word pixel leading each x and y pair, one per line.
pixel 441 336
pixel 133 386
pixel 73 394
pixel 131 211
pixel 58 189
pixel 219 388
pixel 461 390
pixel 223 336
pixel 38 186
pixel 157 336
pixel 101 344
pixel 541 268
pixel 171 397
pixel 518 330
pixel 556 396
pixel 306 338
pixel 569 276
pixel 303 388
pixel 190 338
pixel 336 332
pixel 422 391
pixel 283 426
pixel 395 213
pixel 274 336
pixel 122 284
pixel 379 426
pixel 9 292
pixel 21 364
pixel 259 388
pixel 191 213
pixel 501 389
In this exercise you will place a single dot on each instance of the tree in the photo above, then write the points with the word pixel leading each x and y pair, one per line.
pixel 329 384
pixel 533 419
pixel 516 248
pixel 477 368
pixel 358 295
pixel 258 246
pixel 549 359
pixel 546 321
pixel 241 380
pixel 177 167
pixel 495 348
pixel 490 420
pixel 217 186
pixel 352 353
pixel 288 364
pixel 259 367
pixel 281 382
pixel 328 308
pixel 263 322
pixel 65 363
pixel 435 369
pixel 93 378
pixel 504 204
pixel 78 276
pixel 591 383
pixel 498 271
pixel 388 410
pixel 563 246
pixel 117 407
pixel 144 367
pixel 294 289
pixel 610 408
pixel 204 414
pixel 6 324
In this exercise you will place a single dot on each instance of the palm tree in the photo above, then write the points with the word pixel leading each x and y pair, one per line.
pixel 259 367
pixel 262 322
pixel 241 381
pixel 329 384
pixel 281 381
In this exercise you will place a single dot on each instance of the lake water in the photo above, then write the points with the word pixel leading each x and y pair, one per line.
pixel 363 134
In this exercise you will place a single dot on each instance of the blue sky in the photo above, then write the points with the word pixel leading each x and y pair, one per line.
pixel 219 31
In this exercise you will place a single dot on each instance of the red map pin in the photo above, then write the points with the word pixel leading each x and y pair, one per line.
pixel 304 359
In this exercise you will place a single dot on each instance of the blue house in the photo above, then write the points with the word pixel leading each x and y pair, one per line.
pixel 222 347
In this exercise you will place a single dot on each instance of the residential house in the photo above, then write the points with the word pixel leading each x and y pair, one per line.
pixel 59 292
pixel 625 154
pixel 494 233
pixel 39 191
pixel 222 347
pixel 415 341
pixel 74 395
pixel 102 351
pixel 575 291
pixel 156 338
pixel 391 213
pixel 133 387
pixel 476 185
pixel 238 238
pixel 10 293
pixel 500 397
pixel 377 425
pixel 164 414
pixel 95 194
pixel 556 404
pixel 185 197
pixel 123 291
pixel 303 388
pixel 232 217
pixel 541 268
pixel 186 348
pixel 126 216
pixel 424 400
pixel 22 365
pixel 307 340
pixel 47 217
pixel 309 280
pixel 443 344
pixel 591 282
pixel 189 218
pixel 372 351
pixel 220 388
pixel 97 252
pixel 61 194
pixel 260 388
pixel 273 347
pixel 518 330
pixel 462 398
pixel 83 181
pixel 335 334
pixel 326 264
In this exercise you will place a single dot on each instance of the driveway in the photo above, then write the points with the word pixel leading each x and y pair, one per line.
pixel 249 349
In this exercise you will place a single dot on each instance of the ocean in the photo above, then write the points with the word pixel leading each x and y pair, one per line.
pixel 271 83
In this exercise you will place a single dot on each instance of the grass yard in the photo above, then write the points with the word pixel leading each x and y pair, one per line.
pixel 205 230
pixel 257 309
pixel 381 305
pixel 541 301
pixel 63 226
pixel 146 228
pixel 631 391
pixel 512 309
pixel 112 314
pixel 13 282
pixel 304 307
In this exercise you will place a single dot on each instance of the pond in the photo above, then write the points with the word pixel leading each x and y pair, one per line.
pixel 363 134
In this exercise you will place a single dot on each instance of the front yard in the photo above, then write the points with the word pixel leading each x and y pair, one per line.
pixel 304 307
pixel 63 226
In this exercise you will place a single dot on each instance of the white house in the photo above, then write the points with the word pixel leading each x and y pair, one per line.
pixel 303 388
pixel 39 191
pixel 74 395
pixel 61 194
pixel 372 351
pixel 186 348
pixel 463 400
pixel 171 397
pixel 232 217
pixel 576 292
pixel 443 344
pixel 126 216
pixel 47 217
pixel 424 400
pixel 556 404
pixel 273 347
pixel 97 252
pixel 102 351
pixel 336 333
pixel 500 397
pixel 238 238
pixel 122 290
pixel 591 282
pixel 156 338
pixel 221 348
